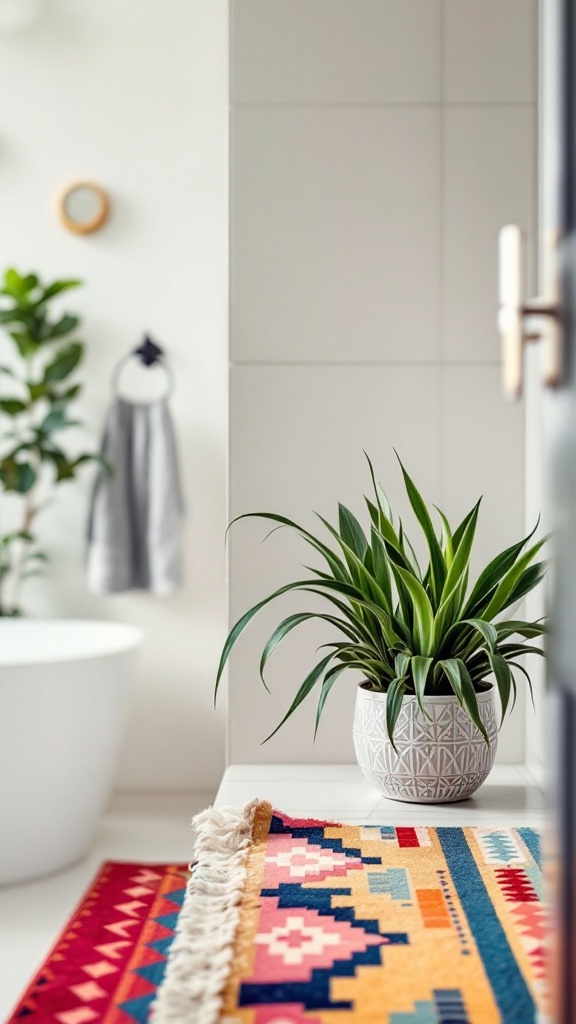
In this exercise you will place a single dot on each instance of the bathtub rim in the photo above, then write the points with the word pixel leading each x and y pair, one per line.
pixel 105 638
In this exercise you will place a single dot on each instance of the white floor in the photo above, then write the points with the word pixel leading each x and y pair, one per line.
pixel 157 828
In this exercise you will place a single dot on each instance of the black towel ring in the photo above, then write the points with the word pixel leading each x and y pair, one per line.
pixel 149 354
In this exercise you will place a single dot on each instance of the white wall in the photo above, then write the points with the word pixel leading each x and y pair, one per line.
pixel 134 96
pixel 377 148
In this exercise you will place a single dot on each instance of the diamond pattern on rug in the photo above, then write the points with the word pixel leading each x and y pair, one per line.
pixel 430 926
pixel 90 976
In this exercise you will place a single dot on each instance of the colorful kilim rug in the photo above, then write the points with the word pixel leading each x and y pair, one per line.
pixel 305 922
pixel 106 966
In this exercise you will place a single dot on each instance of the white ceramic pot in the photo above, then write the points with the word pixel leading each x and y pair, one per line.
pixel 440 759
pixel 63 697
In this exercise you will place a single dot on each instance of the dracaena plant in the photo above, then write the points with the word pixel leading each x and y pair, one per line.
pixel 35 404
pixel 409 629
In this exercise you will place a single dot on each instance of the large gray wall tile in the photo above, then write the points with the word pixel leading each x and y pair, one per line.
pixel 335 234
pixel 335 51
pixel 488 182
pixel 297 435
pixel 490 51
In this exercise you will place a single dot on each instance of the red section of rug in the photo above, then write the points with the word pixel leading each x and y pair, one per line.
pixel 108 962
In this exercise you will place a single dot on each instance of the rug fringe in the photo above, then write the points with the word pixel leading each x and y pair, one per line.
pixel 200 955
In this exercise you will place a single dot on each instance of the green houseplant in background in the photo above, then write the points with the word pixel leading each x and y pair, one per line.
pixel 35 402
pixel 424 638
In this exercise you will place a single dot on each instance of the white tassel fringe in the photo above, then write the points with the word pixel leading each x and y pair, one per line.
pixel 199 958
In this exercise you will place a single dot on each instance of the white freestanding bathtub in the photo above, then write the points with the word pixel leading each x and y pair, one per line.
pixel 63 697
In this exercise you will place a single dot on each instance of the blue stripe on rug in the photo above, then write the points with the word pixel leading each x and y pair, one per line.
pixel 532 840
pixel 510 992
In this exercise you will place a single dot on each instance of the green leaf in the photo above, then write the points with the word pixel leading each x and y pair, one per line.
pixel 59 286
pixel 327 683
pixel 240 626
pixel 351 532
pixel 490 577
pixel 94 457
pixel 285 627
pixel 486 630
pixel 460 681
pixel 26 345
pixel 460 530
pixel 447 544
pixel 447 617
pixel 17 476
pixel 420 668
pixel 511 650
pixel 521 668
pixel 64 364
pixel 408 552
pixel 380 566
pixel 529 579
pixel 521 628
pixel 306 687
pixel 70 393
pixel 394 697
pixel 37 391
pixel 423 612
pixel 65 325
pixel 15 285
pixel 401 664
pixel 335 564
pixel 505 590
pixel 12 406
pixel 461 560
pixel 17 535
pixel 56 419
pixel 437 564
pixel 361 577
pixel 503 676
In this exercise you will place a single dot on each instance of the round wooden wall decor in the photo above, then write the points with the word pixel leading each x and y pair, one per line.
pixel 83 207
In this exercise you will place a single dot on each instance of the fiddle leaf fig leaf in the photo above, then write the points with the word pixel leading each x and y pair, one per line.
pixel 57 419
pixel 65 469
pixel 17 476
pixel 37 391
pixel 64 364
pixel 26 345
pixel 104 463
pixel 64 326
pixel 57 287
pixel 12 406
pixel 70 393
pixel 15 285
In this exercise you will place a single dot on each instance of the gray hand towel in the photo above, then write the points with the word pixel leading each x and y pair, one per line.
pixel 135 528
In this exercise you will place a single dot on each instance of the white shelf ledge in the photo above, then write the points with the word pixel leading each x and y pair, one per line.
pixel 510 796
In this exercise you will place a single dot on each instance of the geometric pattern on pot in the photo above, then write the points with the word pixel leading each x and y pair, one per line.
pixel 440 758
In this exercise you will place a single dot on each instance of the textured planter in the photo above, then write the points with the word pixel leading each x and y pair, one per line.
pixel 439 760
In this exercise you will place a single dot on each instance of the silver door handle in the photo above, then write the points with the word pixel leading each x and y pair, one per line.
pixel 521 320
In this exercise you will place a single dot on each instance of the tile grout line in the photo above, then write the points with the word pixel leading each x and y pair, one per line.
pixel 441 258
pixel 359 364
pixel 375 104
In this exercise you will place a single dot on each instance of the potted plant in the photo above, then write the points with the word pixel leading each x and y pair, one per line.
pixel 425 640
pixel 36 408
